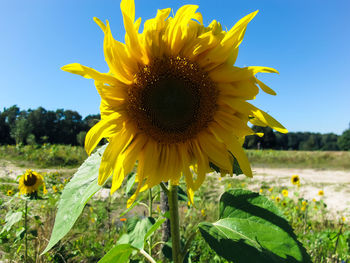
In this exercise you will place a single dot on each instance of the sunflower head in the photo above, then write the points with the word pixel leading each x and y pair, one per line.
pixel 10 192
pixel 295 180
pixel 173 99
pixel 30 182
pixel 321 193
pixel 285 192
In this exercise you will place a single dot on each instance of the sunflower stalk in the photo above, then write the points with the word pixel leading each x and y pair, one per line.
pixel 26 230
pixel 150 201
pixel 174 223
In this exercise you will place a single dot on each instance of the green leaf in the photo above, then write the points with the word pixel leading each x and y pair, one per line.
pixel 136 231
pixel 118 254
pixel 75 195
pixel 252 229
pixel 156 225
pixel 11 218
pixel 137 236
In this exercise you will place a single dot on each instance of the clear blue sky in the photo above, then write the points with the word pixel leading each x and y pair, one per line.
pixel 307 41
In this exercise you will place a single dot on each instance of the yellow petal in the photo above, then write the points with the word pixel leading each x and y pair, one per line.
pixel 268 120
pixel 126 162
pixel 89 73
pixel 216 151
pixel 265 88
pixel 116 144
pixel 234 37
pixel 117 59
pixel 100 24
pixel 103 129
pixel 237 151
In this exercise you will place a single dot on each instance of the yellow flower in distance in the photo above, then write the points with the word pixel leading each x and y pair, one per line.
pixel 285 192
pixel 278 199
pixel 29 182
pixel 54 189
pixel 9 192
pixel 295 180
pixel 320 193
pixel 172 99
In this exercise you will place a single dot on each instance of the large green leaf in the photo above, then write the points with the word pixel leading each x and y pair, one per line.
pixel 11 218
pixel 75 195
pixel 136 231
pixel 118 254
pixel 252 229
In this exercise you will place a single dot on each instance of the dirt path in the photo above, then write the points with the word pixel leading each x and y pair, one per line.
pixel 335 184
pixel 10 170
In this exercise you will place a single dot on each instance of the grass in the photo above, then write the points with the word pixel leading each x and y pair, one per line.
pixel 299 159
pixel 43 156
pixel 72 156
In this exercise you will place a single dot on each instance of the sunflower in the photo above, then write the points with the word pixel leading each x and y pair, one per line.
pixel 30 181
pixel 321 193
pixel 295 180
pixel 173 101
pixel 9 192
pixel 285 192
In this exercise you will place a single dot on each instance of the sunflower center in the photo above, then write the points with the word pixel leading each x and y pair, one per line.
pixel 172 100
pixel 30 180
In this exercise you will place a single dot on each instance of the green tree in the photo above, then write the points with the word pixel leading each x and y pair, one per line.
pixel 344 141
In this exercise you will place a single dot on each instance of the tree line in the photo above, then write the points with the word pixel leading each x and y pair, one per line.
pixel 44 126
pixel 68 127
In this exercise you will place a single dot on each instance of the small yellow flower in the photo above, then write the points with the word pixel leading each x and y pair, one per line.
pixel 295 180
pixel 314 200
pixel 261 191
pixel 297 208
pixel 304 203
pixel 61 186
pixel 272 197
pixel 44 191
pixel 343 219
pixel 277 199
pixel 229 185
pixel 93 220
pixel 284 203
pixel 30 182
pixel 220 178
pixel 10 192
pixel 285 192
pixel 320 193
pixel 203 212
pixel 54 188
pixel 243 184
pixel 91 209
pixel 188 203
pixel 303 208
pixel 270 190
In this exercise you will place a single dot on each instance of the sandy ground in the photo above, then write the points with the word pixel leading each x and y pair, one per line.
pixel 335 184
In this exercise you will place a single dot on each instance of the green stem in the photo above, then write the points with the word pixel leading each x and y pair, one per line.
pixel 174 223
pixel 150 201
pixel 25 231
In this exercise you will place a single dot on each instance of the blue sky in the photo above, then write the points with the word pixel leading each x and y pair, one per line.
pixel 307 41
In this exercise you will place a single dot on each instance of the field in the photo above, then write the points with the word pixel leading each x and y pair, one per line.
pixel 320 219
